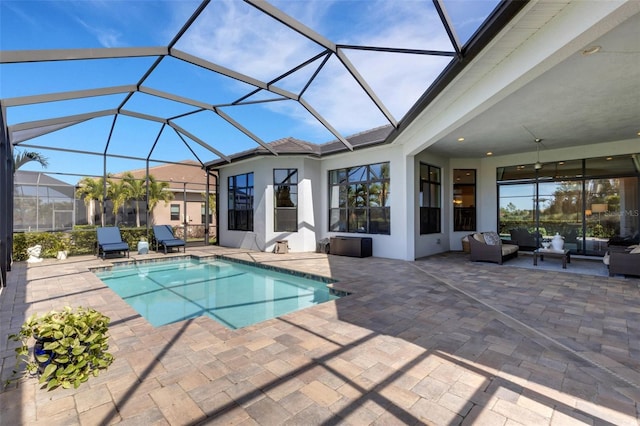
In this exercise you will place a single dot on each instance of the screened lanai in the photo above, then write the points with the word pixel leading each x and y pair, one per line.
pixel 102 88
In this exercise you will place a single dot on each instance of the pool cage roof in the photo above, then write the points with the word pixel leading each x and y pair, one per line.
pixel 226 76
pixel 117 83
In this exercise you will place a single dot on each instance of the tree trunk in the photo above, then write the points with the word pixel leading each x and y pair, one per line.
pixel 138 213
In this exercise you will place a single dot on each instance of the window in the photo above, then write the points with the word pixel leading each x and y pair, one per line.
pixel 464 200
pixel 359 199
pixel 285 210
pixel 430 205
pixel 241 202
pixel 175 211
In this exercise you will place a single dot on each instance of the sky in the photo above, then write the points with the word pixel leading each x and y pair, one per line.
pixel 231 34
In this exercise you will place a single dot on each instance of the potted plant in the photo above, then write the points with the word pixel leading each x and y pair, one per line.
pixel 61 246
pixel 70 346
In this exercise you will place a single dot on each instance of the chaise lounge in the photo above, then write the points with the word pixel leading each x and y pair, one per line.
pixel 489 247
pixel 164 237
pixel 110 241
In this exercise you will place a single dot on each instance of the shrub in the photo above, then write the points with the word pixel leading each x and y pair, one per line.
pixel 70 346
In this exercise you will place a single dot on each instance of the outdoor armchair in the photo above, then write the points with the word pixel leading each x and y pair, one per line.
pixel 164 237
pixel 624 260
pixel 110 241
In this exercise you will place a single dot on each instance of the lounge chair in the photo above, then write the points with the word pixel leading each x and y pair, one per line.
pixel 110 241
pixel 164 237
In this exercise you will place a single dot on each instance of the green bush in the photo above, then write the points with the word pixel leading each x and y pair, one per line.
pixel 82 240
pixel 132 235
pixel 51 242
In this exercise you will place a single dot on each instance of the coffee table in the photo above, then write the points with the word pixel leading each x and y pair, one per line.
pixel 564 254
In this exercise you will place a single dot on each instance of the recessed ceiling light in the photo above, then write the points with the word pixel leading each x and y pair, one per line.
pixel 489 153
pixel 460 139
pixel 591 50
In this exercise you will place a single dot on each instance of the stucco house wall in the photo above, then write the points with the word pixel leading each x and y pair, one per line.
pixel 263 237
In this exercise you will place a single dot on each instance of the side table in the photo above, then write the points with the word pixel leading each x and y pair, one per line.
pixel 143 247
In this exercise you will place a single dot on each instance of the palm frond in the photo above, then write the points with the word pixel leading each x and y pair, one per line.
pixel 22 158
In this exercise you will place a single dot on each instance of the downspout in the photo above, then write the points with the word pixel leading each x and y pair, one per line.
pixel 207 208
pixel 104 189
pixel 6 201
pixel 38 202
pixel 217 195
pixel 184 216
pixel 206 212
pixel 146 218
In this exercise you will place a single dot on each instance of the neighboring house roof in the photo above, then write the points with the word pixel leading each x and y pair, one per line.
pixel 293 146
pixel 175 174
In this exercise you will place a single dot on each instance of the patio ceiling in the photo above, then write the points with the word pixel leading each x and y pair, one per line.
pixel 586 92
pixel 226 76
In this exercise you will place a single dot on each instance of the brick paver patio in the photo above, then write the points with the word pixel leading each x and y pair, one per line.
pixel 439 341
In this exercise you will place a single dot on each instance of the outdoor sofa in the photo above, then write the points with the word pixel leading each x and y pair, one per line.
pixel 489 247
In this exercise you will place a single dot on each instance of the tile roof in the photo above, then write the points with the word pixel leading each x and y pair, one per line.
pixel 175 174
pixel 293 146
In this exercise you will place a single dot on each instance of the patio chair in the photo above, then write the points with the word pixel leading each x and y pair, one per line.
pixel 164 237
pixel 110 241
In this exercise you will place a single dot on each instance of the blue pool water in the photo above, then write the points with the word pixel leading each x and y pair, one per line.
pixel 233 294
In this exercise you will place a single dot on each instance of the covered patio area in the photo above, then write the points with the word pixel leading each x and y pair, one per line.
pixel 439 341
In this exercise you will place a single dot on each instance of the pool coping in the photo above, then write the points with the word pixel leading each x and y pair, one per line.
pixel 334 289
pixel 134 261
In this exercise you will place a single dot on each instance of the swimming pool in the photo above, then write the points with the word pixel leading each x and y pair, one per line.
pixel 233 294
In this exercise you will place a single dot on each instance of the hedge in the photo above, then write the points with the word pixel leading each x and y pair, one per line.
pixel 81 240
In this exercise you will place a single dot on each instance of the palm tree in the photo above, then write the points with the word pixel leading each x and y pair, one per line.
pixel 22 158
pixel 118 193
pixel 137 190
pixel 157 193
pixel 91 189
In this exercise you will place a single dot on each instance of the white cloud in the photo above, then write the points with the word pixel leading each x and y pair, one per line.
pixel 107 37
pixel 242 38
pixel 239 37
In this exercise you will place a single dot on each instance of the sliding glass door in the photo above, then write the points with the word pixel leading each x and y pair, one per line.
pixel 590 203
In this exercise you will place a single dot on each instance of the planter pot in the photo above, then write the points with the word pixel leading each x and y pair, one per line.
pixel 38 350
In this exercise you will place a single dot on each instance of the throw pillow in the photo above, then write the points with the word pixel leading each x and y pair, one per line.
pixel 479 237
pixel 492 238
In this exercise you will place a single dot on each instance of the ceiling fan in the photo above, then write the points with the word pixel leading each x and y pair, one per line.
pixel 537 165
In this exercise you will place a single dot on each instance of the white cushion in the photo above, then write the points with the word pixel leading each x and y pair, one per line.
pixel 492 238
pixel 509 249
